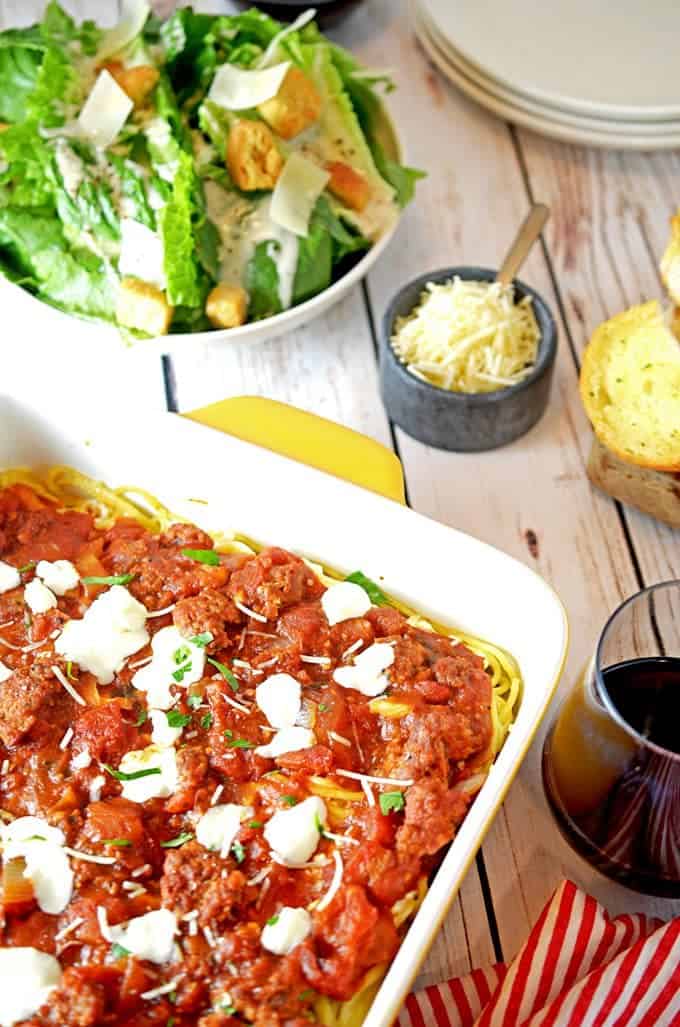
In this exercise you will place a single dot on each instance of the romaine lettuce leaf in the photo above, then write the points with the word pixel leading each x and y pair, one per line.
pixel 19 68
pixel 133 189
pixel 57 27
pixel 177 231
pixel 262 283
pixel 327 244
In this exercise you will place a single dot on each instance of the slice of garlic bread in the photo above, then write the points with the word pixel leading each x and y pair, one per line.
pixel 670 262
pixel 630 386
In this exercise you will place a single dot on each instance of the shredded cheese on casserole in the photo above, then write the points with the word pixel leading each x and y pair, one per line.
pixel 468 336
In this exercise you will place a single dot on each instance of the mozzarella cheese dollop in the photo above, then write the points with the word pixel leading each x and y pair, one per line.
pixel 27 978
pixel 152 786
pixel 151 936
pixel 344 601
pixel 5 672
pixel 217 829
pixel 39 598
pixel 367 675
pixel 293 833
pixel 59 576
pixel 288 739
pixel 175 661
pixel 280 699
pixel 290 926
pixel 9 577
pixel 112 629
pixel 47 865
pixel 162 734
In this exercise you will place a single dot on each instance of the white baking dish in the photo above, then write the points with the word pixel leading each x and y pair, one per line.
pixel 446 574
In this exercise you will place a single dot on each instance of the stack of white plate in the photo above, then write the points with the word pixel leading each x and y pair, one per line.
pixel 597 72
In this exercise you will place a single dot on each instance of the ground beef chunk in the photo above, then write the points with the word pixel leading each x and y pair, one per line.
pixel 163 575
pixel 115 818
pixel 28 701
pixel 192 769
pixel 307 625
pixel 464 673
pixel 385 876
pixel 410 659
pixel 426 742
pixel 348 936
pixel 348 632
pixel 432 814
pixel 192 879
pixel 386 621
pixel 43 535
pixel 210 611
pixel 273 580
pixel 81 998
pixel 105 732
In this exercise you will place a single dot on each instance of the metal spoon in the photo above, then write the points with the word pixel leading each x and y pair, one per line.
pixel 522 243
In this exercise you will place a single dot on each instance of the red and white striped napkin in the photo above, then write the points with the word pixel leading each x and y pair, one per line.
pixel 577 968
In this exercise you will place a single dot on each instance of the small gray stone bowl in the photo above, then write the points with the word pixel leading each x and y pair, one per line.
pixel 464 422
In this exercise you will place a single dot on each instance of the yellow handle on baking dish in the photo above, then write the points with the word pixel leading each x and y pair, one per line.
pixel 309 439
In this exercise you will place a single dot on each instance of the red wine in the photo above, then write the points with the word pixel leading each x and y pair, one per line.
pixel 617 798
pixel 328 12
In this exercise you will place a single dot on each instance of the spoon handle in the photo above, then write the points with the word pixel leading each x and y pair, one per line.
pixel 522 243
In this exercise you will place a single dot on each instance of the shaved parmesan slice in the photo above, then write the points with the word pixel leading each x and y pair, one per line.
pixel 9 577
pixel 217 829
pixel 106 110
pixel 238 89
pixel 295 26
pixel 176 661
pixel 27 979
pixel 298 188
pixel 60 576
pixel 5 672
pixel 47 865
pixel 152 786
pixel 111 630
pixel 288 739
pixel 151 936
pixel 142 254
pixel 279 698
pixel 366 674
pixel 39 598
pixel 132 20
pixel 288 928
pixel 293 833
pixel 335 883
pixel 344 601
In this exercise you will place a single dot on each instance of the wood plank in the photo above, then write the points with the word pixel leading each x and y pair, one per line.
pixel 532 499
pixel 610 225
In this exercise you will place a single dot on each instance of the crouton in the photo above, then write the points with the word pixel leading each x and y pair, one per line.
pixel 253 159
pixel 670 262
pixel 348 185
pixel 143 307
pixel 137 82
pixel 227 306
pixel 296 106
pixel 630 387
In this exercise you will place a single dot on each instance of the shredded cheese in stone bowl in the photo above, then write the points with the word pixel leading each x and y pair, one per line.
pixel 468 336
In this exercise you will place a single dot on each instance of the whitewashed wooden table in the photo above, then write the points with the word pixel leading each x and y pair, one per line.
pixel 609 224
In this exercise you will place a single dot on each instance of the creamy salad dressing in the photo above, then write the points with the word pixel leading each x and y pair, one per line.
pixel 241 228
pixel 158 133
pixel 70 167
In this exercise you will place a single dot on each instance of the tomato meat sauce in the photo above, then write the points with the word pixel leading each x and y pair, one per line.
pixel 385 763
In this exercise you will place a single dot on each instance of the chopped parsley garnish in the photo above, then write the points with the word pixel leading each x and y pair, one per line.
pixel 255 824
pixel 177 719
pixel 142 718
pixel 206 721
pixel 391 802
pixel 194 701
pixel 273 920
pixel 27 567
pixel 228 733
pixel 305 995
pixel 113 579
pixel 181 839
pixel 202 640
pixel 208 556
pixel 289 800
pixel 69 671
pixel 120 775
pixel 373 591
pixel 239 852
pixel 182 660
pixel 319 826
pixel 226 1008
pixel 323 707
pixel 239 743
pixel 119 951
pixel 117 843
pixel 226 674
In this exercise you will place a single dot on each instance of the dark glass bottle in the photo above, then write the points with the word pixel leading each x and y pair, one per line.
pixel 328 12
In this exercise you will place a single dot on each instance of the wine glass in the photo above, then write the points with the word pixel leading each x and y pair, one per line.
pixel 611 763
